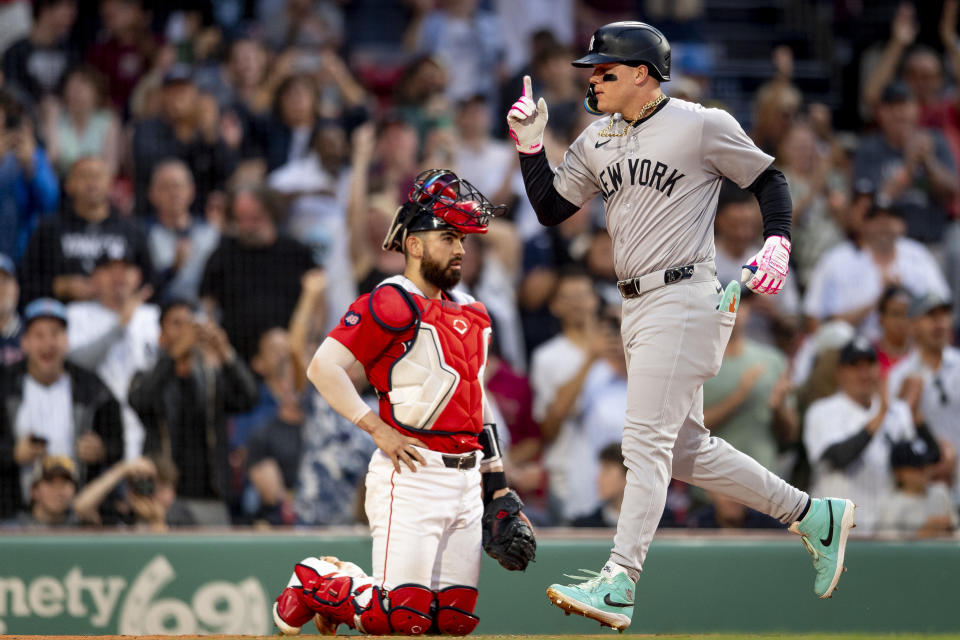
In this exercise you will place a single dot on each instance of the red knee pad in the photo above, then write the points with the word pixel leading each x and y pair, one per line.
pixel 455 607
pixel 409 613
pixel 291 610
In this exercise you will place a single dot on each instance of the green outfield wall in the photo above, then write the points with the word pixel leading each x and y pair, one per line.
pixel 225 584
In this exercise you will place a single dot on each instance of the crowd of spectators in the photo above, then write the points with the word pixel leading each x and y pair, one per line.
pixel 191 194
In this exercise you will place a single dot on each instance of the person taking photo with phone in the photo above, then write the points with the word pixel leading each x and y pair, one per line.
pixel 183 401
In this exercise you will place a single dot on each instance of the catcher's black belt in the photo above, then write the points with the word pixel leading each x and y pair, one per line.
pixel 636 287
pixel 460 463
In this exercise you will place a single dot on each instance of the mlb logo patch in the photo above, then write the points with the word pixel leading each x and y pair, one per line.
pixel 351 319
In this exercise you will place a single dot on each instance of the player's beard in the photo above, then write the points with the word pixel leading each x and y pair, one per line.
pixel 440 275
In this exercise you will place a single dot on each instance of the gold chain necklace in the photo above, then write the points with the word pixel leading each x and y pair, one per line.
pixel 608 132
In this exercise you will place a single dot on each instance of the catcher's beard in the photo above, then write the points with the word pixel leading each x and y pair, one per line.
pixel 442 276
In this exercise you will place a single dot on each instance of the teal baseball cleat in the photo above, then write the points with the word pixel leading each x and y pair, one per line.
pixel 825 529
pixel 604 598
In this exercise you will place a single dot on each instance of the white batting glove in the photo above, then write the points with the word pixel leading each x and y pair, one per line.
pixel 767 271
pixel 527 121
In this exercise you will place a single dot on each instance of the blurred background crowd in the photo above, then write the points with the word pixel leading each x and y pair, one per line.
pixel 191 194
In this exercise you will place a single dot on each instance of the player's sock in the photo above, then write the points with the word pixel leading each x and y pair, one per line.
pixel 806 508
pixel 612 568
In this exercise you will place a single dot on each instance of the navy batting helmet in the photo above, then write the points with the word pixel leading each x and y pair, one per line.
pixel 440 199
pixel 631 43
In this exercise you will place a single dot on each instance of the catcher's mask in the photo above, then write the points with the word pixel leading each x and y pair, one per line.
pixel 440 200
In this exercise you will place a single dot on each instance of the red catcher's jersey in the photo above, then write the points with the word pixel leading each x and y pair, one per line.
pixel 392 332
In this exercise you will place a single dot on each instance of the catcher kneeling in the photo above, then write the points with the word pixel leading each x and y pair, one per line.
pixel 436 491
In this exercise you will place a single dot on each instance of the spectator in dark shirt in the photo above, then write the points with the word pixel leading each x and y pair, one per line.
pixel 912 168
pixel 63 250
pixel 273 459
pixel 36 64
pixel 28 184
pixel 724 513
pixel 254 276
pixel 611 482
pixel 294 121
pixel 183 402
pixel 52 407
pixel 126 49
pixel 188 128
pixel 10 325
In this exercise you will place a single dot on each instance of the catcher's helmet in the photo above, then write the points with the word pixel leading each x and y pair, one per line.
pixel 440 199
pixel 631 43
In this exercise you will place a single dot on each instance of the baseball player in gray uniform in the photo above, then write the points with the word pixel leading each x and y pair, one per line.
pixel 658 163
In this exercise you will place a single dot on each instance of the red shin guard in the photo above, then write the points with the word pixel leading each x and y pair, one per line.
pixel 455 607
pixel 410 609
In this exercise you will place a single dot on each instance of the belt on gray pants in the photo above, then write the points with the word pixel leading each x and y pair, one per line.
pixel 636 287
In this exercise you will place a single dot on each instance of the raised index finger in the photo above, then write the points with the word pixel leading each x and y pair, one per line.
pixel 527 90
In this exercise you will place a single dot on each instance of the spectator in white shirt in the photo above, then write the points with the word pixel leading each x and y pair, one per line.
pixel 849 280
pixel 468 40
pixel 115 334
pixel 485 162
pixel 848 435
pixel 558 374
pixel 52 407
pixel 929 377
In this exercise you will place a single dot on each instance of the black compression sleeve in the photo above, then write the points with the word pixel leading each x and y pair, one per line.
pixel 551 207
pixel 772 193
pixel 842 453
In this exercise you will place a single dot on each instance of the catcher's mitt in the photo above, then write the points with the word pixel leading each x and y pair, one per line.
pixel 507 536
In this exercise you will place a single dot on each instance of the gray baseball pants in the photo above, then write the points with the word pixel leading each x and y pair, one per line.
pixel 674 338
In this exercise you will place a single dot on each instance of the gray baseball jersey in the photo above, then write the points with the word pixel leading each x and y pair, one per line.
pixel 660 185
pixel 660 182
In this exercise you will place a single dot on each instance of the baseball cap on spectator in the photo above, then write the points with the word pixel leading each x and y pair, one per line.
pixel 54 467
pixel 922 305
pixel 7 266
pixel 857 350
pixel 178 74
pixel 895 92
pixel 833 334
pixel 611 453
pixel 864 187
pixel 906 453
pixel 44 308
pixel 116 254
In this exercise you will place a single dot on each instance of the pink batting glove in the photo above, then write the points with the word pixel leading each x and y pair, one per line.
pixel 767 271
